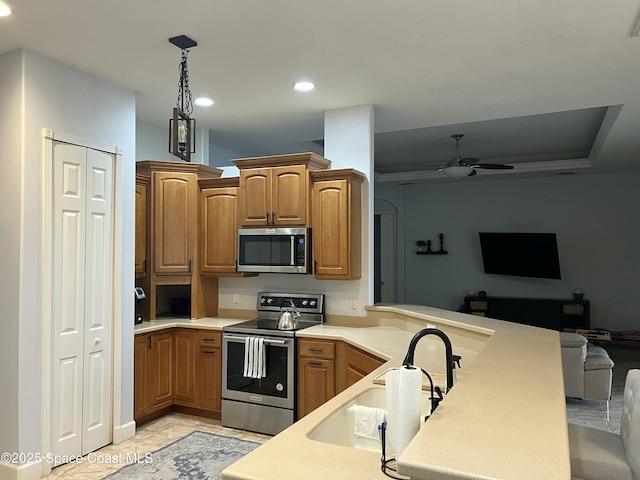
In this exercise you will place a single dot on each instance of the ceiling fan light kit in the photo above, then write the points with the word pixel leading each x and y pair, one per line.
pixel 458 171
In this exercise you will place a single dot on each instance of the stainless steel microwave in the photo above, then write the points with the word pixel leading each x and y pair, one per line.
pixel 274 250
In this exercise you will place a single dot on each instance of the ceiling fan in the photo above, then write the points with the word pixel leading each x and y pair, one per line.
pixel 459 167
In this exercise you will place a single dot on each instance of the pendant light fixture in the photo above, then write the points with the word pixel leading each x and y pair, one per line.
pixel 182 127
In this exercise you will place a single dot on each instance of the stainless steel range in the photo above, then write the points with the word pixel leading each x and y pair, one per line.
pixel 258 364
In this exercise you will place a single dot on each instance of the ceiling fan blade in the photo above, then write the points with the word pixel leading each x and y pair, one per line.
pixel 469 160
pixel 493 166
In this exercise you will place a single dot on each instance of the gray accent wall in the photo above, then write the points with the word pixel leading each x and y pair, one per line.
pixel 594 216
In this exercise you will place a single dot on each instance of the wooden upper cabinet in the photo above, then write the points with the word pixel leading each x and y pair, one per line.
pixel 337 224
pixel 255 200
pixel 219 229
pixel 142 202
pixel 289 195
pixel 174 221
pixel 274 191
pixel 274 196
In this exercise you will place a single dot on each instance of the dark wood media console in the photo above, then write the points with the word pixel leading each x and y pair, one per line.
pixel 552 313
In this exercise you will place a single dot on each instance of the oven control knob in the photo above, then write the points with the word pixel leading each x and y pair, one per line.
pixel 305 302
pixel 312 303
pixel 262 300
pixel 269 300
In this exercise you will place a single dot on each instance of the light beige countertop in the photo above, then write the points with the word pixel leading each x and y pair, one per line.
pixel 210 323
pixel 505 418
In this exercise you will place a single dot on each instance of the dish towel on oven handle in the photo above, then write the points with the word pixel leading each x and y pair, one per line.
pixel 255 365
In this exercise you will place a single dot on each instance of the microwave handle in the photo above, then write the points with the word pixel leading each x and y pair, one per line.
pixel 293 247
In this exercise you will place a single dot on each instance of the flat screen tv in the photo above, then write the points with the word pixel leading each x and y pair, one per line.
pixel 520 254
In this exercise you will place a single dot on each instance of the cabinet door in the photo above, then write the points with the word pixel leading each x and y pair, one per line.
pixel 353 365
pixel 316 383
pixel 141 402
pixel 184 381
pixel 209 370
pixel 255 197
pixel 289 191
pixel 161 366
pixel 210 378
pixel 337 216
pixel 141 228
pixel 219 230
pixel 331 228
pixel 173 203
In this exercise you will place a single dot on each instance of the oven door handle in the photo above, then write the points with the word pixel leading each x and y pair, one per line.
pixel 266 340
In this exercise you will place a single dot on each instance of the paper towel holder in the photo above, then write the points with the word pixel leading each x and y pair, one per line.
pixel 385 463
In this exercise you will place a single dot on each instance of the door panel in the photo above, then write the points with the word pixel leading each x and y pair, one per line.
pixel 97 348
pixel 82 295
pixel 173 224
pixel 255 201
pixel 67 321
pixel 289 195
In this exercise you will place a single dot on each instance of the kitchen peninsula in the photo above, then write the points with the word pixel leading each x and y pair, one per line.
pixel 505 418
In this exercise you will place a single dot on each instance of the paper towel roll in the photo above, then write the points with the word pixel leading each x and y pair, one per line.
pixel 409 396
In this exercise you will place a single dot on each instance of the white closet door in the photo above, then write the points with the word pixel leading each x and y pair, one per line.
pixel 96 403
pixel 81 299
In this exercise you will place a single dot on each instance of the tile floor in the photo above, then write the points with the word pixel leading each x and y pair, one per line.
pixel 157 434
pixel 149 438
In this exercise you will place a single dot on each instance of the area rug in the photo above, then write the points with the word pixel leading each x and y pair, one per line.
pixel 197 456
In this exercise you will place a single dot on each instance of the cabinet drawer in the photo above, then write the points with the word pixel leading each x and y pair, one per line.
pixel 209 338
pixel 314 348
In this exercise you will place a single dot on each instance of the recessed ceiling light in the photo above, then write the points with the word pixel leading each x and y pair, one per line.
pixel 304 86
pixel 4 9
pixel 203 102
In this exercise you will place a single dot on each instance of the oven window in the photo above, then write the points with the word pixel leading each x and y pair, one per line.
pixel 270 250
pixel 273 385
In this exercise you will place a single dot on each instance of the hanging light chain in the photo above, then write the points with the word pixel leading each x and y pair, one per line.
pixel 183 102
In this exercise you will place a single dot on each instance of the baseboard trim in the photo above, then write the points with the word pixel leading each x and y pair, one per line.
pixel 28 471
pixel 124 432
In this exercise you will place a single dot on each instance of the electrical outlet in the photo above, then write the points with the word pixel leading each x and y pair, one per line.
pixel 236 298
pixel 353 303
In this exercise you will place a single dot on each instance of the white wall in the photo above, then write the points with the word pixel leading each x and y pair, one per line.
pixel 10 182
pixel 152 142
pixel 594 216
pixel 56 97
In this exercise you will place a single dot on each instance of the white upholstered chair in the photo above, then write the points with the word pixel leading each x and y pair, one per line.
pixel 587 369
pixel 600 455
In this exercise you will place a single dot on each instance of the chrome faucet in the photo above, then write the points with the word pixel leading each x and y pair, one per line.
pixel 408 359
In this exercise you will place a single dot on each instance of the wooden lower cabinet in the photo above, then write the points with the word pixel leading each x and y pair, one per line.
pixel 325 368
pixel 353 365
pixel 180 367
pixel 184 385
pixel 209 371
pixel 153 372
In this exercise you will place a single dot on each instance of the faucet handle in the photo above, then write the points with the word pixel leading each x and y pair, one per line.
pixel 456 360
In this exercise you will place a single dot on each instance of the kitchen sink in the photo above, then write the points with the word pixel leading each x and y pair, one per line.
pixel 337 428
